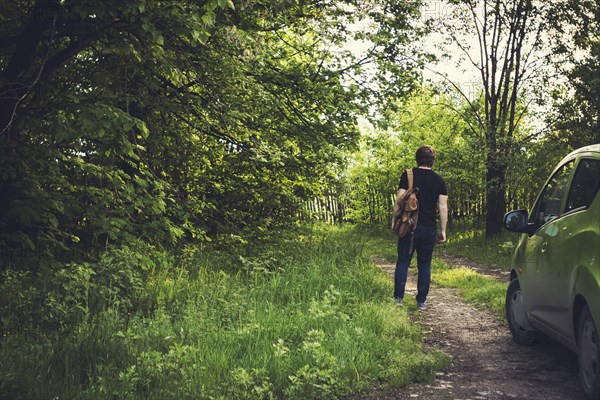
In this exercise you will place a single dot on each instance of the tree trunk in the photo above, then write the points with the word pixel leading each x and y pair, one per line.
pixel 495 201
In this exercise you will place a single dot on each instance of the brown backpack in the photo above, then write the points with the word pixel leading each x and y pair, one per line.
pixel 406 211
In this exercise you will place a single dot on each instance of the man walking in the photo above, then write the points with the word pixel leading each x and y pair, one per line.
pixel 432 194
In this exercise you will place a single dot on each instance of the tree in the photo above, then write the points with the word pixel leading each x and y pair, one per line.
pixel 576 116
pixel 168 120
pixel 509 38
pixel 72 135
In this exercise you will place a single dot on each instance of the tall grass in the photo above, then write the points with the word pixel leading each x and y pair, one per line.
pixel 468 241
pixel 305 316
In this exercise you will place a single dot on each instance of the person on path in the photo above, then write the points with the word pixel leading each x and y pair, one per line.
pixel 432 194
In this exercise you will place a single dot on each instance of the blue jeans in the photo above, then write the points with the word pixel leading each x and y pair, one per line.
pixel 423 243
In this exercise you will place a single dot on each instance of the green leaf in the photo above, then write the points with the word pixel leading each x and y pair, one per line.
pixel 208 18
pixel 226 4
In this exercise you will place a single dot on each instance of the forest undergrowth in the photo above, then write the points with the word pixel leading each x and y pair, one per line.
pixel 301 315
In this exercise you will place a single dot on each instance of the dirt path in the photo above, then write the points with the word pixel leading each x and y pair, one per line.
pixel 487 363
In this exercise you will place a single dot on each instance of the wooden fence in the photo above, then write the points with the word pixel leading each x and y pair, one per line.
pixel 361 203
pixel 348 205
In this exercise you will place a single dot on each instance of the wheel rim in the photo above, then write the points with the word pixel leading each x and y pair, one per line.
pixel 588 353
pixel 517 311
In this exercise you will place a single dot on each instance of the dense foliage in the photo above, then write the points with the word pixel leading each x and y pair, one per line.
pixel 577 116
pixel 175 120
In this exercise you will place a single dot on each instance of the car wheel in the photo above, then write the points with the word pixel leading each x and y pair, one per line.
pixel 588 344
pixel 516 316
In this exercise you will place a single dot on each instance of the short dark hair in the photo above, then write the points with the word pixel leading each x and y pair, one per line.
pixel 425 156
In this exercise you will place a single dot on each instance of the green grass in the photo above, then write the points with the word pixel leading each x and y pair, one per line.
pixel 480 290
pixel 378 241
pixel 304 316
pixel 467 241
pixel 472 243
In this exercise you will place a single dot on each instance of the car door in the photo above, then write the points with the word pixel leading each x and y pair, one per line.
pixel 568 245
pixel 540 280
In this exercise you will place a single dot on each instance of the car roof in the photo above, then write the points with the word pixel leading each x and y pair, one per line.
pixel 592 150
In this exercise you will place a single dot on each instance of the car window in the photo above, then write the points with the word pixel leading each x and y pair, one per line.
pixel 585 184
pixel 550 201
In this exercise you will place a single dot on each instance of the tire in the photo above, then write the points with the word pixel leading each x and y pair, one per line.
pixel 588 345
pixel 516 316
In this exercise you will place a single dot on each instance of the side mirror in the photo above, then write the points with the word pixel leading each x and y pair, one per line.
pixel 516 221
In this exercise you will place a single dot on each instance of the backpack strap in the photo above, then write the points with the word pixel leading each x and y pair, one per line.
pixel 409 175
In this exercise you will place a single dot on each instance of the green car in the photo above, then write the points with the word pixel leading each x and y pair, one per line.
pixel 555 277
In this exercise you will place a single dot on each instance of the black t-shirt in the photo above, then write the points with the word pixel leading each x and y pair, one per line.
pixel 431 186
